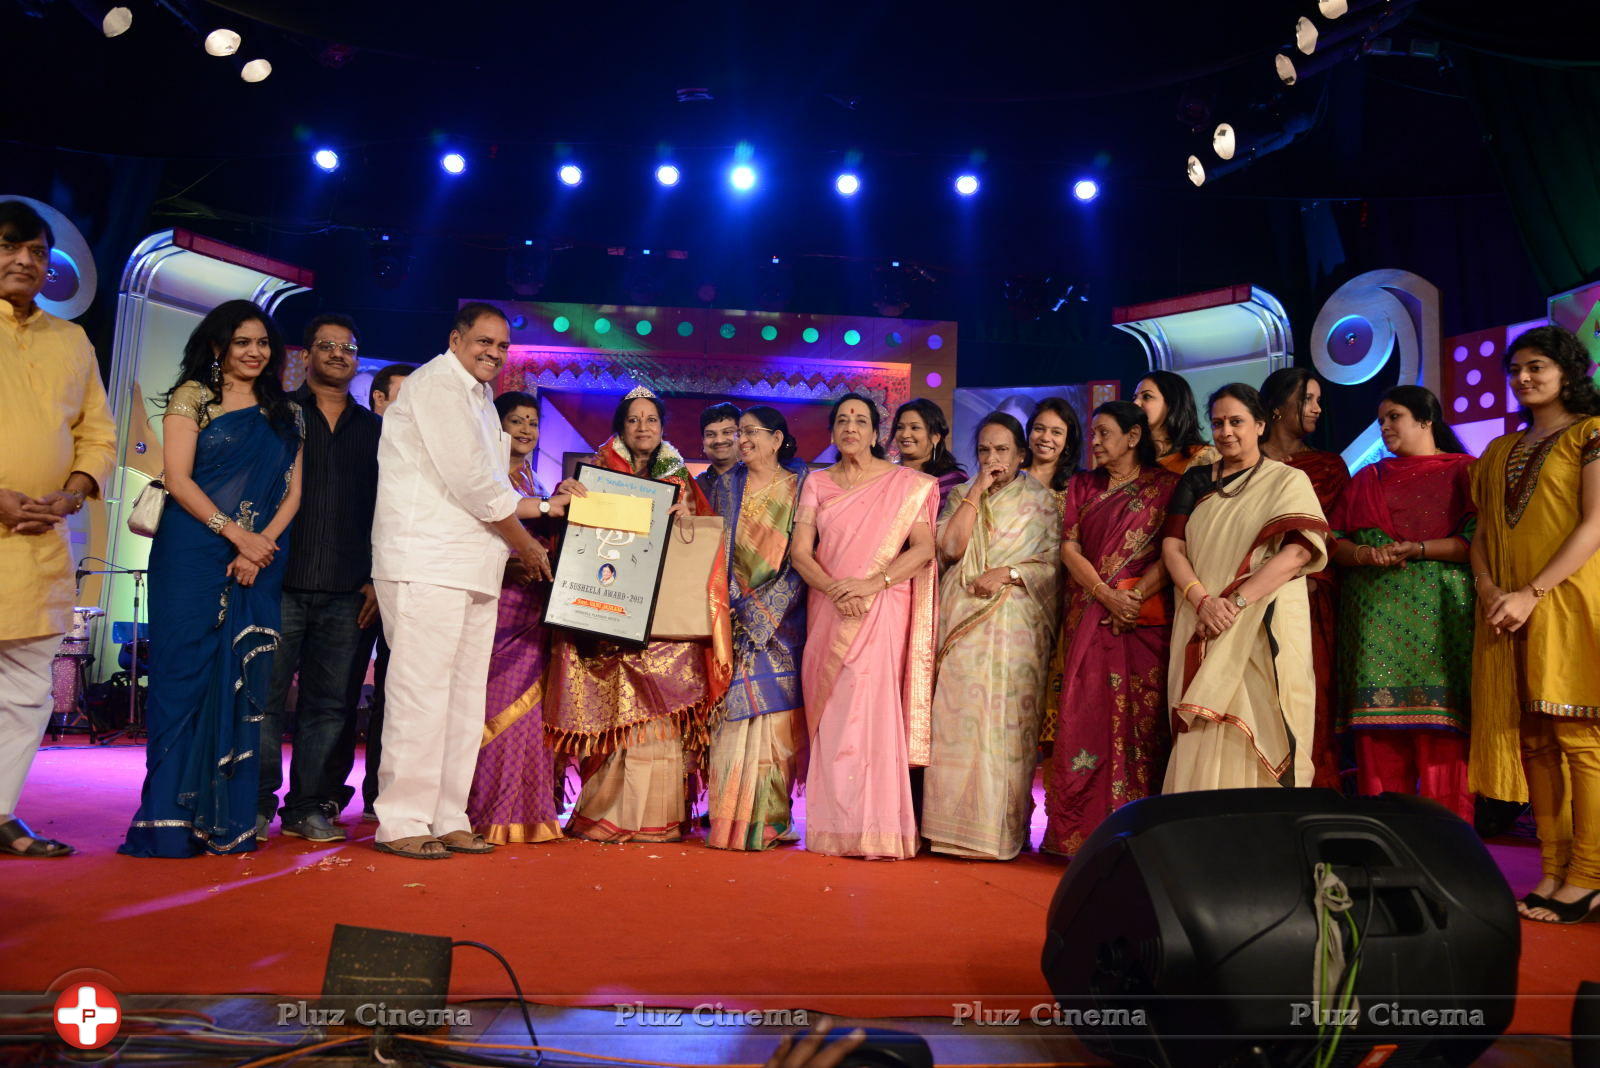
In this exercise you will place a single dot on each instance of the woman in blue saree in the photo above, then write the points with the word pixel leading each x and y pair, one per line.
pixel 755 740
pixel 231 446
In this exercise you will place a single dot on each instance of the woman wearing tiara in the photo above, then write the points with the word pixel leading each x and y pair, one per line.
pixel 629 714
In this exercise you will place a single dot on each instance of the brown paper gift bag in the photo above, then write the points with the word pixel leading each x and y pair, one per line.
pixel 683 610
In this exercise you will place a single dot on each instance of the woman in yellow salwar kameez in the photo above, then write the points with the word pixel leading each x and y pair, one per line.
pixel 1535 668
pixel 1240 537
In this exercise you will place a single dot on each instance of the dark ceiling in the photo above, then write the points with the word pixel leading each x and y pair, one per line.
pixel 1030 96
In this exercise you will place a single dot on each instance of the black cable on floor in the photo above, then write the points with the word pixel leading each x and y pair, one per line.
pixel 522 1002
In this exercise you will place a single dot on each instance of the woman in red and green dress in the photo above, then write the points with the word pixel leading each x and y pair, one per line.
pixel 1403 526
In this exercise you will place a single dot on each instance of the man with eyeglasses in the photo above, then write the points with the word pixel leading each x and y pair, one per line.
pixel 327 592
pixel 57 447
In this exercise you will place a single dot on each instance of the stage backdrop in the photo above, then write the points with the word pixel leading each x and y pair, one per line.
pixel 580 359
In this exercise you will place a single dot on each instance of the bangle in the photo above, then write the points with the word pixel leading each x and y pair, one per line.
pixel 1096 586
pixel 967 500
pixel 886 582
pixel 1186 589
pixel 217 522
pixel 1422 550
pixel 1538 591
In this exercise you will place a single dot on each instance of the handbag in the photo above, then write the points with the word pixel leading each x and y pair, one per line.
pixel 1152 610
pixel 145 515
pixel 683 610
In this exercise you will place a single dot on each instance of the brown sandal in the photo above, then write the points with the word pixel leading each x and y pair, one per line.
pixel 466 842
pixel 414 848
pixel 14 830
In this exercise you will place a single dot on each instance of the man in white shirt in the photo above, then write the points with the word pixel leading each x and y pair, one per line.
pixel 446 519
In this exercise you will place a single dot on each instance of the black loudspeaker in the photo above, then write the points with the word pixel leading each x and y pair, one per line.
pixel 390 980
pixel 1183 933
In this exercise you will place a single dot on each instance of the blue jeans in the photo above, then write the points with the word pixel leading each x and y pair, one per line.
pixel 320 638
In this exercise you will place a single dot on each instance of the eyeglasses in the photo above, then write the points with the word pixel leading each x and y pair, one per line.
pixel 326 347
pixel 745 432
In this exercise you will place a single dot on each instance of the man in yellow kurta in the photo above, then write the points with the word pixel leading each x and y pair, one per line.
pixel 57 446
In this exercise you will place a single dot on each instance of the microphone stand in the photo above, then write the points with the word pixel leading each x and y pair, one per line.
pixel 135 720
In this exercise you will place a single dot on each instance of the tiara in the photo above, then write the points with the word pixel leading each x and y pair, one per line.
pixel 640 391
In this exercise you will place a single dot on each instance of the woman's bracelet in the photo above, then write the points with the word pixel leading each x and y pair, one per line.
pixel 886 582
pixel 1096 586
pixel 1422 550
pixel 1189 587
pixel 217 521
pixel 967 500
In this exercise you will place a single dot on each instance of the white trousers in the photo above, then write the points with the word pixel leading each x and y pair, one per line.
pixel 26 702
pixel 440 640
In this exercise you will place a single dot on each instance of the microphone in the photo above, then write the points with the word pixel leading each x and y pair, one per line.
pixel 78 576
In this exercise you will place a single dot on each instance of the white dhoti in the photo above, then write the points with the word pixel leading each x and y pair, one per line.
pixel 26 702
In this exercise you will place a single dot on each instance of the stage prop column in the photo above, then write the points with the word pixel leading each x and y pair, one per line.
pixel 1234 334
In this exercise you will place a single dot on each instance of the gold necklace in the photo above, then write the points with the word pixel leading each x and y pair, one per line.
pixel 1118 483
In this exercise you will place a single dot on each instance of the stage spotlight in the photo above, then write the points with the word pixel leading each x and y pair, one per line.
pixel 257 70
pixel 570 174
pixel 848 185
pixel 967 184
pixel 326 158
pixel 1332 9
pixel 1224 142
pixel 1196 171
pixel 667 174
pixel 1086 189
pixel 222 43
pixel 116 22
pixel 1305 35
pixel 453 162
pixel 742 177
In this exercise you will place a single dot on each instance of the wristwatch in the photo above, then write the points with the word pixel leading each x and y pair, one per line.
pixel 1016 576
pixel 1239 601
pixel 544 505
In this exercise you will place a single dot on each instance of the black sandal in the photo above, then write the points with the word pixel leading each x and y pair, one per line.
pixel 1570 911
pixel 38 849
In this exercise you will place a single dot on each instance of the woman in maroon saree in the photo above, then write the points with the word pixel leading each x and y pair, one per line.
pixel 1112 735
pixel 1293 399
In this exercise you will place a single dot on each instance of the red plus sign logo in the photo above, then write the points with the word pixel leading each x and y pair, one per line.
pixel 87 1015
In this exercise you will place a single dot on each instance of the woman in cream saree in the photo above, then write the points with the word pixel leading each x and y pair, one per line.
pixel 997 623
pixel 1240 538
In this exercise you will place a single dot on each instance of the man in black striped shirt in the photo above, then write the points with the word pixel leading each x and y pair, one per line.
pixel 327 590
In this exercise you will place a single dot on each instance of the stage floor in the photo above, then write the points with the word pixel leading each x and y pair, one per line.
pixel 583 924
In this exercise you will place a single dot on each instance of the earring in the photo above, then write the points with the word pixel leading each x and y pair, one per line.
pixel 216 375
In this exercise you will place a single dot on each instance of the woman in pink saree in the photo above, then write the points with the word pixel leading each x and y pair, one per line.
pixel 863 542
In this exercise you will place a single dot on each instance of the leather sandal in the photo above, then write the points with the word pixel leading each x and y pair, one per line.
pixel 466 842
pixel 14 830
pixel 414 848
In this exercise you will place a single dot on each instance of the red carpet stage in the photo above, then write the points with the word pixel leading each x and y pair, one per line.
pixel 581 923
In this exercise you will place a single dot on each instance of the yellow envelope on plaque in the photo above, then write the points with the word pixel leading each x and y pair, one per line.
pixel 611 511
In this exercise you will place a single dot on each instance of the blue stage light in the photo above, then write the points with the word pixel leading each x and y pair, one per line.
pixel 326 158
pixel 667 174
pixel 453 162
pixel 1086 189
pixel 743 177
pixel 570 174
pixel 967 184
pixel 848 185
